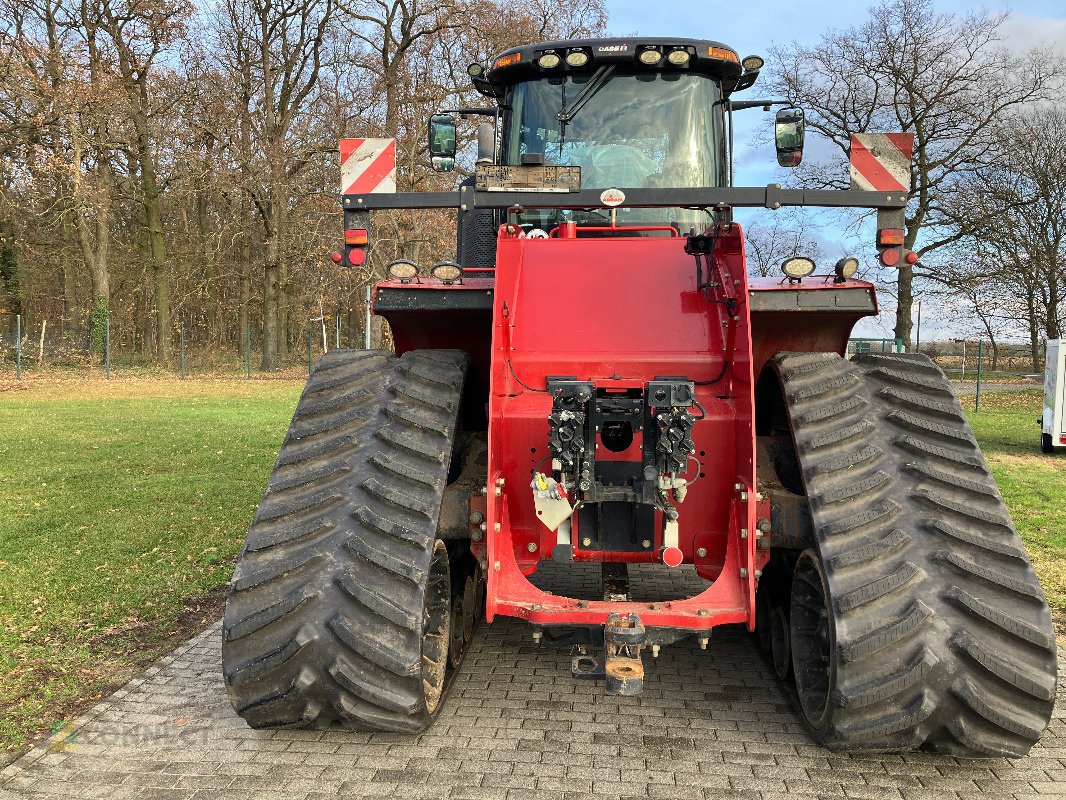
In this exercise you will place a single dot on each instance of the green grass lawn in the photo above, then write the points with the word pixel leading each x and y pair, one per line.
pixel 124 506
pixel 1033 484
pixel 126 503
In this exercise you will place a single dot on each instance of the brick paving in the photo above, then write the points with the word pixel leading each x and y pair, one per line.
pixel 710 724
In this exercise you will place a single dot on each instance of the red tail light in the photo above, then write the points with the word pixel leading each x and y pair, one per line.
pixel 336 258
pixel 356 238
pixel 890 237
pixel 890 257
pixel 356 257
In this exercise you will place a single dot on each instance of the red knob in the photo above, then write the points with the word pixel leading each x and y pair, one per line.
pixel 911 257
pixel 336 258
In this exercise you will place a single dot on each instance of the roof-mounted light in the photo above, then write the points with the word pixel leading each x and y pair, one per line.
pixel 475 71
pixel 577 58
pixel 679 57
pixel 846 269
pixel 446 271
pixel 650 56
pixel 797 267
pixel 752 63
pixel 549 60
pixel 402 270
pixel 723 54
pixel 506 60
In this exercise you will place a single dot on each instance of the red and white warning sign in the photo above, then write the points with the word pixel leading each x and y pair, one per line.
pixel 881 162
pixel 368 166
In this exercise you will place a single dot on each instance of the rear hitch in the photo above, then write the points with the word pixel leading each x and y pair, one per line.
pixel 620 666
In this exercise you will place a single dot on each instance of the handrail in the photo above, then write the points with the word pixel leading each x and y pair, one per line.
pixel 772 196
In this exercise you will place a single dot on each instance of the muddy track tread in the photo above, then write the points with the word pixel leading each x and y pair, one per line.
pixel 918 402
pixel 864 552
pixel 839 436
pixel 889 685
pixel 323 622
pixel 944 638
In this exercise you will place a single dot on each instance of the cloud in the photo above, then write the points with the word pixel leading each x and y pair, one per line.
pixel 1023 32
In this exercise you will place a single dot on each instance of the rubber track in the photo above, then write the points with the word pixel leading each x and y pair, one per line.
pixel 944 639
pixel 323 622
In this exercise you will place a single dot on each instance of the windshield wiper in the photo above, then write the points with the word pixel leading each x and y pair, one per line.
pixel 596 82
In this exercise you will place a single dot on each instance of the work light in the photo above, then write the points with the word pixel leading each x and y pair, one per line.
pixel 797 267
pixel 402 269
pixel 846 268
pixel 678 57
pixel 577 58
pixel 446 271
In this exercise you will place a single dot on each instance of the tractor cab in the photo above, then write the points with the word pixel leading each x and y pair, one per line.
pixel 619 113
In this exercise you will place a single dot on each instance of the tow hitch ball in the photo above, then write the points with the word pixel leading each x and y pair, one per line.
pixel 620 666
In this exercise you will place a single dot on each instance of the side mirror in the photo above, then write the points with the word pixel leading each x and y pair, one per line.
pixel 442 142
pixel 788 136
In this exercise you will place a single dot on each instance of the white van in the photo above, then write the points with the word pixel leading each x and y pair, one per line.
pixel 1053 421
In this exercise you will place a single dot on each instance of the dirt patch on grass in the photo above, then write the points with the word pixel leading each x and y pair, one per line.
pixel 118 657
pixel 154 387
pixel 1009 459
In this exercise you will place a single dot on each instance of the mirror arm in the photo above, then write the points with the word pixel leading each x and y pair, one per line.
pixel 740 105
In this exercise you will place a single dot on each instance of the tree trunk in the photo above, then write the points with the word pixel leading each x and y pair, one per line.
pixel 904 290
pixel 283 309
pixel 207 254
pixel 270 315
pixel 1034 335
pixel 70 283
pixel 1052 324
pixel 270 288
pixel 160 277
pixel 244 336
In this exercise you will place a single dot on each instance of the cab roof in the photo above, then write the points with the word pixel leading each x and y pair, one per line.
pixel 705 56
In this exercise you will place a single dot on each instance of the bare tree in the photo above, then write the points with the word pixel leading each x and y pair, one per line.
pixel 137 33
pixel 1010 218
pixel 945 78
pixel 276 50
pixel 161 162
pixel 770 240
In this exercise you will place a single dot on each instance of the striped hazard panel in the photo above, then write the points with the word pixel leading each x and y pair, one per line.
pixel 368 166
pixel 881 162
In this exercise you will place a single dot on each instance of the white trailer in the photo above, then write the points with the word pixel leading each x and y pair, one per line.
pixel 1053 421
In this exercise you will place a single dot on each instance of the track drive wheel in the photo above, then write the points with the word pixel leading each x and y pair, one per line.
pixel 340 608
pixel 916 620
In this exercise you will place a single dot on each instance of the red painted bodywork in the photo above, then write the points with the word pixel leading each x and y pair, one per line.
pixel 621 311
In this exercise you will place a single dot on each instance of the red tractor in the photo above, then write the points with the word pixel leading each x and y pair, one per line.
pixel 597 379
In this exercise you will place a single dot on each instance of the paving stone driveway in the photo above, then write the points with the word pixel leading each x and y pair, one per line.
pixel 710 724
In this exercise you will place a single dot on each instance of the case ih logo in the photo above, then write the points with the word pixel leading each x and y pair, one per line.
pixel 613 48
pixel 368 166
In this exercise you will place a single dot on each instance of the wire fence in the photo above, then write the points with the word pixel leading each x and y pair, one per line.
pixel 973 364
pixel 45 349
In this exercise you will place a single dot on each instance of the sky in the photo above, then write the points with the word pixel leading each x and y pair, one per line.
pixel 753 26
